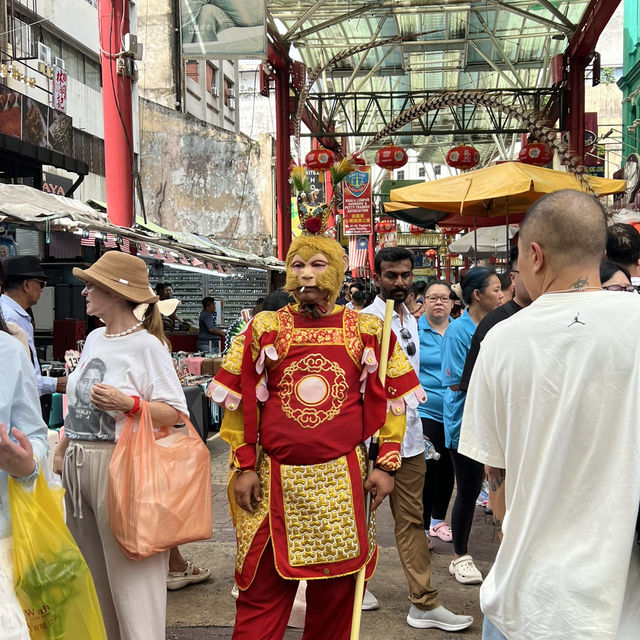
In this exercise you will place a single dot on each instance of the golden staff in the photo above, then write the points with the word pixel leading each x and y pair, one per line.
pixel 373 454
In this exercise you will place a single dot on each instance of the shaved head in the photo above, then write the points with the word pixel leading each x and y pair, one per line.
pixel 569 225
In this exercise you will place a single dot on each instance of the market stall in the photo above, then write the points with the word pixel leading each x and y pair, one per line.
pixel 64 233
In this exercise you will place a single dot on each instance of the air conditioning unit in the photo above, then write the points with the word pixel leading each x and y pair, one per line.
pixel 214 91
pixel 231 94
pixel 57 62
pixel 44 53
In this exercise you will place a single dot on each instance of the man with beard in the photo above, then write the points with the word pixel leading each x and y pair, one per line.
pixel 296 382
pixel 394 276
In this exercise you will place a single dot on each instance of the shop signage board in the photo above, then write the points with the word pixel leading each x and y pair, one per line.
pixel 29 120
pixel 357 203
pixel 60 89
pixel 223 29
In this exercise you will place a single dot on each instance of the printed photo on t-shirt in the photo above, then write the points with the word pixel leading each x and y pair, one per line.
pixel 84 419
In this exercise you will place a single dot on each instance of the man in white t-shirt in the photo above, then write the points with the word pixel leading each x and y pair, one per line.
pixel 553 402
pixel 394 276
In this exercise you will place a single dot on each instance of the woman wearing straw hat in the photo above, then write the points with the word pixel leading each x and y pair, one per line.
pixel 123 363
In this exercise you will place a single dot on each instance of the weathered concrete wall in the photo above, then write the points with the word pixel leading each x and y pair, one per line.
pixel 156 69
pixel 205 180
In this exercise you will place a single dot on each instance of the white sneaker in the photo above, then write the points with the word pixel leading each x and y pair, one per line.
pixel 438 618
pixel 465 571
pixel 370 602
pixel 235 592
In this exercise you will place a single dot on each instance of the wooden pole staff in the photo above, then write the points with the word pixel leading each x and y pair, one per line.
pixel 373 454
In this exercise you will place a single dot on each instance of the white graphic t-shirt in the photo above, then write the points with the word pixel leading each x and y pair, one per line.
pixel 137 364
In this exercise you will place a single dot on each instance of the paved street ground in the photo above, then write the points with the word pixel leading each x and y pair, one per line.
pixel 207 610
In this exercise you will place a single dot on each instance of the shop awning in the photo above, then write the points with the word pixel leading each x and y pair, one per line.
pixel 23 204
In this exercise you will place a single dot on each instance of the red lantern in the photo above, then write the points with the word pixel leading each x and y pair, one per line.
pixel 415 230
pixel 430 253
pixel 320 159
pixel 391 157
pixel 384 226
pixel 536 153
pixel 463 157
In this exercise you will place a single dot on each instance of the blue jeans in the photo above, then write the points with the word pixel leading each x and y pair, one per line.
pixel 490 632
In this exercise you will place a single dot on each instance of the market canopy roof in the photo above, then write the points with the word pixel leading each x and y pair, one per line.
pixel 452 45
pixel 504 189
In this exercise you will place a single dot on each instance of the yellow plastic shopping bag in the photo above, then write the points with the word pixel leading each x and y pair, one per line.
pixel 52 579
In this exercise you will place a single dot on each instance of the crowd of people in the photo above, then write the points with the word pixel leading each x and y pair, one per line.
pixel 530 384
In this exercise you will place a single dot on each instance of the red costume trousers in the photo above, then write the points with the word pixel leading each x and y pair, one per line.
pixel 262 611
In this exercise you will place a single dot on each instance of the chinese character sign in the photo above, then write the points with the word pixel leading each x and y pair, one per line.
pixel 60 89
pixel 357 202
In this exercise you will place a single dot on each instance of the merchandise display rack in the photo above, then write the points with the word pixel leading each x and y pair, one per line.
pixel 236 291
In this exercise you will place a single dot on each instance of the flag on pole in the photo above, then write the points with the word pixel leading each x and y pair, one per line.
pixel 358 251
pixel 170 257
pixel 144 250
pixel 185 260
pixel 88 238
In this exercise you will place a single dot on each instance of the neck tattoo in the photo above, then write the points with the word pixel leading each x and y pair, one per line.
pixel 126 332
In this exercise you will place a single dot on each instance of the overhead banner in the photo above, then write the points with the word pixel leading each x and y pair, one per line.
pixel 356 198
pixel 223 29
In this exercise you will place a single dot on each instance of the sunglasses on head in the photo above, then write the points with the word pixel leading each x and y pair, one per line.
pixel 405 334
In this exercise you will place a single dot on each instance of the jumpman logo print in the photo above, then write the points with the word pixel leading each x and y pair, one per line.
pixel 576 320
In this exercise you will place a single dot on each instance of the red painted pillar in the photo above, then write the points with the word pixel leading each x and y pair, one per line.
pixel 576 107
pixel 116 101
pixel 283 160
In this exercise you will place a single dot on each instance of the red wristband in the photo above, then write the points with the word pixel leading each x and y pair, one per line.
pixel 136 406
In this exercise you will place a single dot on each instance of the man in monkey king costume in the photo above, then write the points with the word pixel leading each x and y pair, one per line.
pixel 301 393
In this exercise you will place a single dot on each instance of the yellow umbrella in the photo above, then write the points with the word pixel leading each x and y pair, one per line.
pixel 508 188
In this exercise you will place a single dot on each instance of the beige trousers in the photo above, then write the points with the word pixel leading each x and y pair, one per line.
pixel 406 506
pixel 132 594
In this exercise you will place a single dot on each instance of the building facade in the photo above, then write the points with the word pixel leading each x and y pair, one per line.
pixel 51 130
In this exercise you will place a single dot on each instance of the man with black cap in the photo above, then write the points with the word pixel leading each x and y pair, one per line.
pixel 22 285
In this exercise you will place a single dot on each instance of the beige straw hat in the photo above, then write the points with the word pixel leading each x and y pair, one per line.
pixel 122 274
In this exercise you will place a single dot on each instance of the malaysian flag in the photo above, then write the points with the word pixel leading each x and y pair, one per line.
pixel 358 249
pixel 219 268
pixel 197 263
pixel 144 250
pixel 210 266
pixel 170 257
pixel 88 238
pixel 184 260
pixel 110 241
pixel 124 244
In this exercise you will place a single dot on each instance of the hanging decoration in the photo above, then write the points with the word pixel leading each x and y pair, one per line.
pixel 431 254
pixel 320 159
pixel 415 230
pixel 536 153
pixel 391 157
pixel 384 226
pixel 463 157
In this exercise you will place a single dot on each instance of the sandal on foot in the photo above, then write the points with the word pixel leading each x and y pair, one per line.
pixel 465 571
pixel 442 530
pixel 179 579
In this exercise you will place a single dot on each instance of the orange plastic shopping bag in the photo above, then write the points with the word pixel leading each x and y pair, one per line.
pixel 159 490
pixel 52 580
